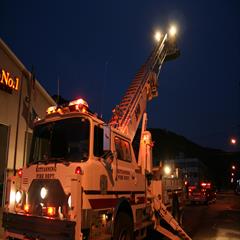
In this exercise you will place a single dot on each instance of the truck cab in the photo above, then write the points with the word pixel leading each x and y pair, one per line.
pixel 69 173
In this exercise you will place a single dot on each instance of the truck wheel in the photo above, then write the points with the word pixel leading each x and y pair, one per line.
pixel 123 229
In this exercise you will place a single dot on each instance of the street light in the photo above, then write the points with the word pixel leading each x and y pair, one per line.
pixel 167 170
pixel 233 141
pixel 233 173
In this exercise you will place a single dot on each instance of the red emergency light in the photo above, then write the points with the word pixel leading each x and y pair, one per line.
pixel 20 172
pixel 78 170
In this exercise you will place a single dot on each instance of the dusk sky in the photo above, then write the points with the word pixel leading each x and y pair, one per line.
pixel 95 48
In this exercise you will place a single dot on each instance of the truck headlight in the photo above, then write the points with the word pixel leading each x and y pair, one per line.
pixel 70 201
pixel 43 192
pixel 18 197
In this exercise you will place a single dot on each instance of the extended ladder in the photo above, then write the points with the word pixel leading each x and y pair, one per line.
pixel 127 115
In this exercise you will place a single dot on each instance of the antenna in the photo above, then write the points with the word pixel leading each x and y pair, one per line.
pixel 104 85
pixel 58 90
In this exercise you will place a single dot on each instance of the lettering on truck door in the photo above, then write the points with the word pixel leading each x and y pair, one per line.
pixel 124 168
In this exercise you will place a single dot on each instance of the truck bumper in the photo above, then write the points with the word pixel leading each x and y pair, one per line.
pixel 18 226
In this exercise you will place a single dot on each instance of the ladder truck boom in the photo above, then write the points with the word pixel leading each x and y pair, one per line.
pixel 128 114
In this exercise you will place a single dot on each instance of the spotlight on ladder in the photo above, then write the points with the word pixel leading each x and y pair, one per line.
pixel 172 31
pixel 157 36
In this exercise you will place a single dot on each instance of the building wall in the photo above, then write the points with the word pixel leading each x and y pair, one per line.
pixel 192 169
pixel 17 106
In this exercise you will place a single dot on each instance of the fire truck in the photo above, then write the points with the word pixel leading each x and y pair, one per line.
pixel 83 181
pixel 203 192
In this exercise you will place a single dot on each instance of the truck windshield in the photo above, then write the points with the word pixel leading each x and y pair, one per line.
pixel 64 140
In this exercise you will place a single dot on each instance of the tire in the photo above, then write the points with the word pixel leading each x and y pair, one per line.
pixel 123 228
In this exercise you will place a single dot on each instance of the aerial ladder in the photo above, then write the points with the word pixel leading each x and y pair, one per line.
pixel 132 109
pixel 128 114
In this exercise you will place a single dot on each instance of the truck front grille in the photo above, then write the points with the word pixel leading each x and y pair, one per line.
pixel 54 197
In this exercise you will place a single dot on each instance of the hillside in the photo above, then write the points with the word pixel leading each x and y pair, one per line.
pixel 168 145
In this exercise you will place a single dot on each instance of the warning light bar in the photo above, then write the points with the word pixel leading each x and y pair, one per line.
pixel 78 105
pixel 51 109
pixel 79 101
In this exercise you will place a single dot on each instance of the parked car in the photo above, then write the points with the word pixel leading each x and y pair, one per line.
pixel 203 193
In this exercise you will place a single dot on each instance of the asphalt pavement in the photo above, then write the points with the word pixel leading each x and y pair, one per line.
pixel 216 221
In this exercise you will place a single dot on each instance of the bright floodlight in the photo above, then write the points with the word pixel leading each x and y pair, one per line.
pixel 173 31
pixel 167 170
pixel 18 197
pixel 43 192
pixel 157 36
pixel 233 141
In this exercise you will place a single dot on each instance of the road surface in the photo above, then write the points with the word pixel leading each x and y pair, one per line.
pixel 218 221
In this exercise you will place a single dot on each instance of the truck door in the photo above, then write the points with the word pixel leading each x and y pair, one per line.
pixel 124 168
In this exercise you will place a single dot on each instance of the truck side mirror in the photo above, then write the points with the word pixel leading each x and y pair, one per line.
pixel 106 138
